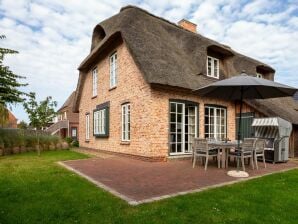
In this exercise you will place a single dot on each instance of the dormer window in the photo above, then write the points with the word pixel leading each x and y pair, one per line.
pixel 212 67
pixel 259 75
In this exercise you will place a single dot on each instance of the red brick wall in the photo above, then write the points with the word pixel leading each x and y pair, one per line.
pixel 131 87
pixel 160 116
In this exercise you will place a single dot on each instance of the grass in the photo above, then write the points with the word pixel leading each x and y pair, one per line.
pixel 37 190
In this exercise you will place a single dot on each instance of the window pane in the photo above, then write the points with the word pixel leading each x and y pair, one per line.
pixel 179 147
pixel 173 137
pixel 215 68
pixel 179 108
pixel 179 118
pixel 173 147
pixel 179 137
pixel 173 117
pixel 206 111
pixel 179 127
pixel 173 107
pixel 206 120
pixel 173 128
pixel 206 129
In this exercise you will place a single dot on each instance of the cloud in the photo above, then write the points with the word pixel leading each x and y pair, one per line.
pixel 54 36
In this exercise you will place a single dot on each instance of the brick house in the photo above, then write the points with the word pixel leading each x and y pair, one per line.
pixel 12 121
pixel 135 90
pixel 66 123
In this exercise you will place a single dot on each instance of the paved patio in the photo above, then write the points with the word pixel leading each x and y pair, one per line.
pixel 139 181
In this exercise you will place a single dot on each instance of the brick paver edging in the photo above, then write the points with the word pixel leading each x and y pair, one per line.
pixel 134 202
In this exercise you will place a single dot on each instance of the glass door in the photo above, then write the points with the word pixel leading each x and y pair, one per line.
pixel 183 127
pixel 215 122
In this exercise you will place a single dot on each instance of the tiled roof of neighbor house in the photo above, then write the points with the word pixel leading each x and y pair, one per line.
pixel 164 52
pixel 69 102
pixel 11 116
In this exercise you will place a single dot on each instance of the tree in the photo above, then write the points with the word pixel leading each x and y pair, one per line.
pixel 23 125
pixel 40 113
pixel 9 85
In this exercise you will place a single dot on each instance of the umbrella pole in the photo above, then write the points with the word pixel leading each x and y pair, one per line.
pixel 239 129
pixel 238 173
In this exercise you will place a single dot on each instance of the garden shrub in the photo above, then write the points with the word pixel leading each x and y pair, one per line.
pixel 75 143
pixel 16 140
pixel 68 140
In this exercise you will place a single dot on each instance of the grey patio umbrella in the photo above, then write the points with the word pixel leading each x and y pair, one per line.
pixel 242 87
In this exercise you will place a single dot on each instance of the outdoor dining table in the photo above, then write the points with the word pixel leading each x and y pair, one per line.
pixel 224 147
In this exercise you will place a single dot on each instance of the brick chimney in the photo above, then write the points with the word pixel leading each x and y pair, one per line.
pixel 188 25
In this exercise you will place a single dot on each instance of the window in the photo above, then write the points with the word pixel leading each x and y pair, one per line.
pixel 65 115
pixel 215 122
pixel 113 70
pixel 183 127
pixel 212 67
pixel 74 132
pixel 87 126
pixel 126 122
pixel 101 120
pixel 94 82
pixel 259 75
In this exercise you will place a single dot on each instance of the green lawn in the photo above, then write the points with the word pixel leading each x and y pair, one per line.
pixel 37 190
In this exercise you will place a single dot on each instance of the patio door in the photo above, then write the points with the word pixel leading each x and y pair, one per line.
pixel 215 122
pixel 183 127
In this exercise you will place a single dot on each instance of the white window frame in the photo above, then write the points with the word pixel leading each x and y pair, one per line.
pixel 215 128
pixel 183 141
pixel 87 127
pixel 94 82
pixel 113 70
pixel 99 122
pixel 214 70
pixel 125 122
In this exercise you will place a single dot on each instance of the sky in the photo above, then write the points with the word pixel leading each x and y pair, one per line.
pixel 54 36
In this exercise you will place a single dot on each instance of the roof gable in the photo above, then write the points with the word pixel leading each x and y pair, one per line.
pixel 69 102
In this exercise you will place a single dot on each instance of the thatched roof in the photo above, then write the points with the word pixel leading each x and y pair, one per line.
pixel 69 102
pixel 284 107
pixel 165 53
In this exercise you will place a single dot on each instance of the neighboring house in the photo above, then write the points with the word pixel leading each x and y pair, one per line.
pixel 12 121
pixel 135 89
pixel 66 124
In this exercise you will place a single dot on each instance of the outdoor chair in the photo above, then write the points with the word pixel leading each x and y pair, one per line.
pixel 259 151
pixel 246 150
pixel 202 149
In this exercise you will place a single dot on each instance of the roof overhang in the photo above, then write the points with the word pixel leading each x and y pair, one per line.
pixel 222 49
pixel 89 60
